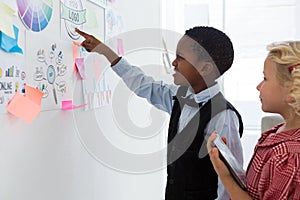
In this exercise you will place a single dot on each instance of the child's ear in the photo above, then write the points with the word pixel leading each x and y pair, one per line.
pixel 206 69
pixel 290 99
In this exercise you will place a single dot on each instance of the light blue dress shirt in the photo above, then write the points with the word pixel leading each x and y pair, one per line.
pixel 161 95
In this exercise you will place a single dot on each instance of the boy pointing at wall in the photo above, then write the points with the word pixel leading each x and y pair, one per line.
pixel 196 105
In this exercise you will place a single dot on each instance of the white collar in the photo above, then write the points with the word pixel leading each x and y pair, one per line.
pixel 204 95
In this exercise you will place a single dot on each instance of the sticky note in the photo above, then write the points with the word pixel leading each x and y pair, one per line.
pixel 10 44
pixel 6 22
pixel 23 108
pixel 34 94
pixel 79 63
pixel 27 106
pixel 120 47
pixel 91 17
pixel 76 43
pixel 68 105
pixel 98 69
pixel 75 54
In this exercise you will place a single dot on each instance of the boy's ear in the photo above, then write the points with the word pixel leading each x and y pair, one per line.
pixel 206 69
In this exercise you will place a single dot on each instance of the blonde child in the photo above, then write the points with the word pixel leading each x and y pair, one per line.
pixel 274 170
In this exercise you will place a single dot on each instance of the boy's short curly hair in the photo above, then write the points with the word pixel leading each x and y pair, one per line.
pixel 216 43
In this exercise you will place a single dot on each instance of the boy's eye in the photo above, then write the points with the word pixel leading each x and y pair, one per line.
pixel 180 58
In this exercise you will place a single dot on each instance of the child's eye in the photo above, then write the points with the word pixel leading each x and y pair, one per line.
pixel 179 57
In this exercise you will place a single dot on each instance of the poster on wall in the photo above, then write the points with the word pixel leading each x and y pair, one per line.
pixel 102 3
pixel 97 91
pixel 35 15
pixel 95 17
pixel 49 68
pixel 113 23
pixel 12 77
pixel 72 15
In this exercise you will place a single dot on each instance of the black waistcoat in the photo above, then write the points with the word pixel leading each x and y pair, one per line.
pixel 191 177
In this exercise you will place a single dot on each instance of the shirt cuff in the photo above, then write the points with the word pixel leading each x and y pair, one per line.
pixel 122 67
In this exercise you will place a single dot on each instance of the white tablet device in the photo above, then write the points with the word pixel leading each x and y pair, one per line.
pixel 232 164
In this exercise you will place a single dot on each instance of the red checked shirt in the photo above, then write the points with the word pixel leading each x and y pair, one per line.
pixel 274 170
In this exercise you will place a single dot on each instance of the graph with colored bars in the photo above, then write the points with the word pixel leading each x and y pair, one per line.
pixel 99 96
pixel 10 72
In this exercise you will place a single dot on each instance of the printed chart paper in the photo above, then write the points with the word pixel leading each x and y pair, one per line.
pixel 35 15
pixel 73 15
pixel 97 91
pixel 49 68
pixel 12 77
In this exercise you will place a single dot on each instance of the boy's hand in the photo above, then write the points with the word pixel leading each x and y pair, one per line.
pixel 90 43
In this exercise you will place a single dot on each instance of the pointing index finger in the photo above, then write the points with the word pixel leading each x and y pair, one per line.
pixel 83 34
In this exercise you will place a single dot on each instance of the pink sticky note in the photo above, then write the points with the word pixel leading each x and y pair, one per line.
pixel 23 108
pixel 79 63
pixel 68 105
pixel 75 55
pixel 34 94
pixel 97 69
pixel 120 47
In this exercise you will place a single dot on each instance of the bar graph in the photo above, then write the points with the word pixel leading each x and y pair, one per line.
pixel 96 89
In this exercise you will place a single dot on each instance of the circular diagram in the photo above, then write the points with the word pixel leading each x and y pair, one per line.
pixel 35 14
pixel 74 6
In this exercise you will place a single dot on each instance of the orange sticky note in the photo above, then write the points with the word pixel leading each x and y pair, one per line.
pixel 77 43
pixel 23 107
pixel 34 94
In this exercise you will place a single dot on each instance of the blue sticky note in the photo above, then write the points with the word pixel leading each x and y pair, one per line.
pixel 9 44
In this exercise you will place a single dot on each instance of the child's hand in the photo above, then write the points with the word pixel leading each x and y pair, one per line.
pixel 90 43
pixel 213 152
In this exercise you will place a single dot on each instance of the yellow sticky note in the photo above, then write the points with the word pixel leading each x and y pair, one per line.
pixel 6 22
pixel 8 9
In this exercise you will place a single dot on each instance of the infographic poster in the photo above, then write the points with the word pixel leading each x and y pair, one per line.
pixel 72 15
pixel 113 23
pixel 49 68
pixel 35 15
pixel 97 91
pixel 102 3
pixel 12 78
pixel 95 18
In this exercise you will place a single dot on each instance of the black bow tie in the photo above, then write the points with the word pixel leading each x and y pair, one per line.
pixel 189 100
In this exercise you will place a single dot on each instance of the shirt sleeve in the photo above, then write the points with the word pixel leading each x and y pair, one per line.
pixel 157 93
pixel 226 123
pixel 280 177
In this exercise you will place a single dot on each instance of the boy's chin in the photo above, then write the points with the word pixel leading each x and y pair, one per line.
pixel 181 83
pixel 180 80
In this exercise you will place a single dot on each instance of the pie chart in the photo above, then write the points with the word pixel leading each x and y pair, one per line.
pixel 35 14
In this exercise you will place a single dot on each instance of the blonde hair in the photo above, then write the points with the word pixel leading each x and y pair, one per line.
pixel 286 54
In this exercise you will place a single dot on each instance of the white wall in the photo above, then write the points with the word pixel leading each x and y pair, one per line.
pixel 54 157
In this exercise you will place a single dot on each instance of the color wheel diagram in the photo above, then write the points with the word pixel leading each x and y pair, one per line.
pixel 35 14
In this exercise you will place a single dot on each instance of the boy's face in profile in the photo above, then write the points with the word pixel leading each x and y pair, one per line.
pixel 187 65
